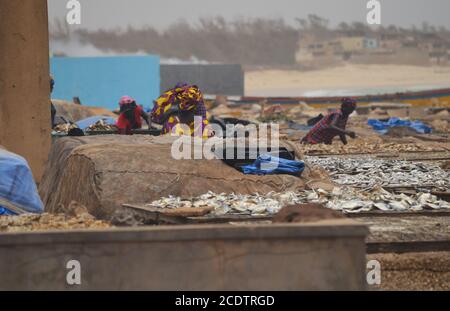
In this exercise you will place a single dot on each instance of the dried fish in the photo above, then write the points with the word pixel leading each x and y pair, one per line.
pixel 367 146
pixel 382 206
pixel 370 172
pixel 399 205
pixel 64 128
pixel 345 199
pixel 101 125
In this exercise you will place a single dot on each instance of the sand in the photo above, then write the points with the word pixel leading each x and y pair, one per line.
pixel 414 271
pixel 357 79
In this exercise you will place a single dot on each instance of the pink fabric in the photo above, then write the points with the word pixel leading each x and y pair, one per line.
pixel 126 100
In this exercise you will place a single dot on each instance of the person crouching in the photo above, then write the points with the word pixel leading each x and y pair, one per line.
pixel 332 125
pixel 131 116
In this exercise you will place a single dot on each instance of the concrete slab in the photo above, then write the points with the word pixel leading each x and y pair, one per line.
pixel 327 255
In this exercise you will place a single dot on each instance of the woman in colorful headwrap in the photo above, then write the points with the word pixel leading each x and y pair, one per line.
pixel 131 116
pixel 180 105
pixel 332 125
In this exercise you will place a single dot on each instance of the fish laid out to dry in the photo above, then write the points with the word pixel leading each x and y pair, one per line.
pixel 370 172
pixel 64 128
pixel 351 200
pixel 101 125
pixel 361 145
pixel 224 203
pixel 345 199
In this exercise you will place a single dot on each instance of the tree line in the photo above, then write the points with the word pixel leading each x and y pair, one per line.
pixel 258 41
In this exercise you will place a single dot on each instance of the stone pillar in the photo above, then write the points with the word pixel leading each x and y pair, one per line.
pixel 24 81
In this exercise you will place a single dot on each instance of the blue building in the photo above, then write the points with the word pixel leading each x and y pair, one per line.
pixel 101 81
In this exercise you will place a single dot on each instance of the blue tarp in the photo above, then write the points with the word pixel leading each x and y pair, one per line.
pixel 85 123
pixel 266 164
pixel 5 212
pixel 383 127
pixel 18 191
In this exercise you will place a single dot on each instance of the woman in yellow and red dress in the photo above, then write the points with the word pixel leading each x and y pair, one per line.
pixel 180 105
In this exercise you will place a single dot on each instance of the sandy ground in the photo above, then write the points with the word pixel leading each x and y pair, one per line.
pixel 414 271
pixel 347 80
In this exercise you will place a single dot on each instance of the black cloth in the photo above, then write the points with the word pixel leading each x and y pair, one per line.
pixel 53 113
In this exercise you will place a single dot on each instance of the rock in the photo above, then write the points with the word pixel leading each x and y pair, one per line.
pixel 305 213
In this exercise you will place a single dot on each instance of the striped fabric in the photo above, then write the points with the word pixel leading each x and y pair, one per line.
pixel 321 133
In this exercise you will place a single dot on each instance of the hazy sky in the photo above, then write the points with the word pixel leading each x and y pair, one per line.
pixel 161 13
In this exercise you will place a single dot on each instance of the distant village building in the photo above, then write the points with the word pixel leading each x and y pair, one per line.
pixel 352 44
pixel 370 43
pixel 340 49
pixel 415 49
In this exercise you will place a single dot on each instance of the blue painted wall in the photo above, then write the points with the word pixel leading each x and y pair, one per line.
pixel 101 81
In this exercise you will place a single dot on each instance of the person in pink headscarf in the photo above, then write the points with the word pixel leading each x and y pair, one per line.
pixel 131 116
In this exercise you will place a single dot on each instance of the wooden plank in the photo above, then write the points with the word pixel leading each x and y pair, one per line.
pixel 428 159
pixel 398 188
pixel 161 215
pixel 180 212
pixel 377 154
pixel 408 247
pixel 156 217
pixel 228 218
pixel 442 195
pixel 379 213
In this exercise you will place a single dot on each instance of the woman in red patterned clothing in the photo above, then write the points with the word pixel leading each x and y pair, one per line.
pixel 130 116
pixel 332 125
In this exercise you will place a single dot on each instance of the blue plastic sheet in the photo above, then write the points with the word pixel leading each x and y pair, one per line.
pixel 6 212
pixel 266 164
pixel 383 127
pixel 18 191
pixel 85 123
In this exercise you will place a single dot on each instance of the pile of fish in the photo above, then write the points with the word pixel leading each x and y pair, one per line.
pixel 345 199
pixel 350 200
pixel 225 203
pixel 101 125
pixel 370 172
pixel 371 145
pixel 64 128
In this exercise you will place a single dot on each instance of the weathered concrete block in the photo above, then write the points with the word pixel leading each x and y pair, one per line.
pixel 328 255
